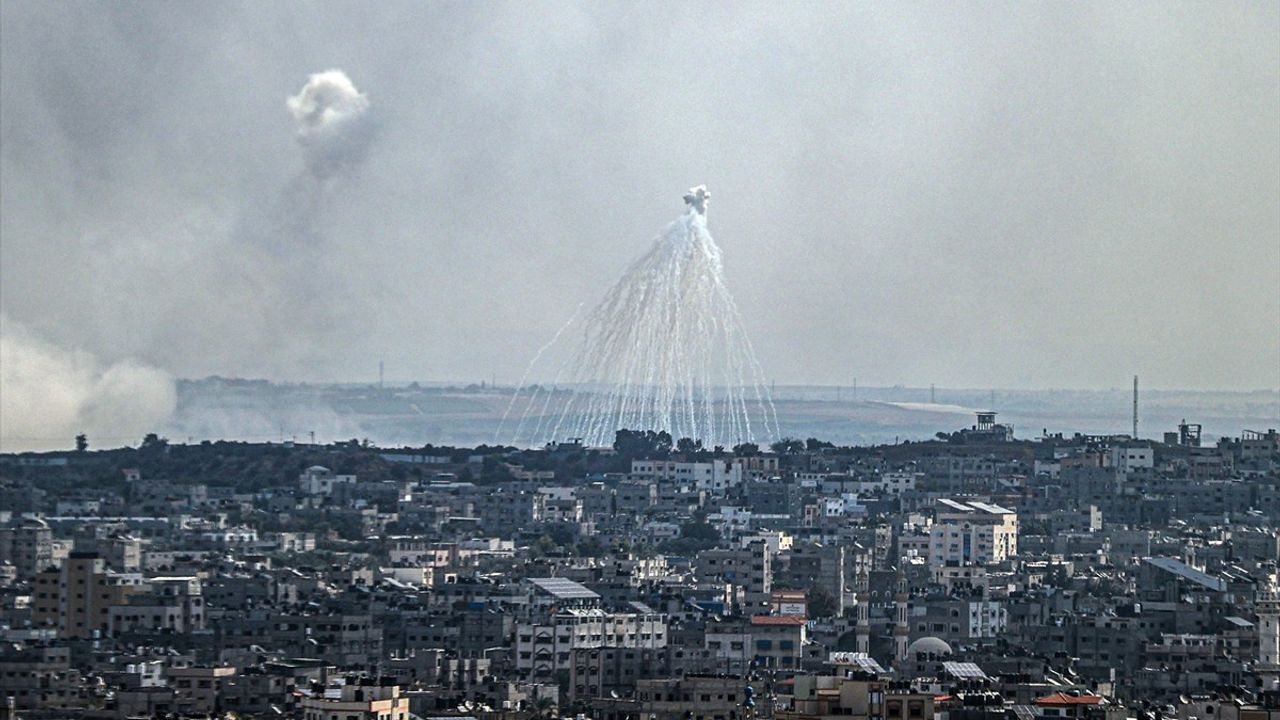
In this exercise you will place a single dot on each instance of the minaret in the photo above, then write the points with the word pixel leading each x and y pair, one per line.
pixel 862 601
pixel 1267 605
pixel 900 630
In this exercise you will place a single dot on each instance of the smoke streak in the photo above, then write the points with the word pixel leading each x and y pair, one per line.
pixel 664 350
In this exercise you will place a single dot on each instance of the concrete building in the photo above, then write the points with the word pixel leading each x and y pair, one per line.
pixel 77 598
pixel 974 533
pixel 318 480
pixel 749 568
pixel 357 699
pixel 542 648
pixel 27 544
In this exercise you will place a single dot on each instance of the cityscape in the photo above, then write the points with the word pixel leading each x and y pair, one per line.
pixel 974 575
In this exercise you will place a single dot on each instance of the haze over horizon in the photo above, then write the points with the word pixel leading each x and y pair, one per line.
pixel 1010 196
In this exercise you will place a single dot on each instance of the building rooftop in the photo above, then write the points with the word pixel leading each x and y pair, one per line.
pixel 1185 571
pixel 564 589
pixel 778 620
pixel 1061 698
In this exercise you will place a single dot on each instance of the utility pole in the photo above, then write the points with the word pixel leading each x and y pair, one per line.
pixel 855 389
pixel 381 368
pixel 933 399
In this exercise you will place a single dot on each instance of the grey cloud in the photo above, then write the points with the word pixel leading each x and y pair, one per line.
pixel 1019 194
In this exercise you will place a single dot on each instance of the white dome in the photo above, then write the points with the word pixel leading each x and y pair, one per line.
pixel 929 646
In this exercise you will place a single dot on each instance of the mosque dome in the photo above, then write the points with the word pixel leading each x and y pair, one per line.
pixel 936 647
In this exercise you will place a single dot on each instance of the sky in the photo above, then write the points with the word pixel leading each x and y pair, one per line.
pixel 1019 195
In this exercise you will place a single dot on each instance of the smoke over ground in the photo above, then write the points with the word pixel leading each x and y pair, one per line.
pixel 257 285
pixel 49 394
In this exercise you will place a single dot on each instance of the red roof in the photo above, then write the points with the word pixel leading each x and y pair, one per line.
pixel 1061 698
pixel 778 620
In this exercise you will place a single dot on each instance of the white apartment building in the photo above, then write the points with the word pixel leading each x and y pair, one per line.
pixel 1126 459
pixel 543 647
pixel 972 533
pixel 715 476
pixel 987 619
pixel 846 504
pixel 318 480
pixel 890 483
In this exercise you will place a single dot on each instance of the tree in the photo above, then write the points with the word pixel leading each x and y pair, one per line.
pixel 642 443
pixel 543 547
pixel 699 531
pixel 591 547
pixel 688 446
pixel 787 446
pixel 821 602
pixel 814 444
pixel 82 442
pixel 746 449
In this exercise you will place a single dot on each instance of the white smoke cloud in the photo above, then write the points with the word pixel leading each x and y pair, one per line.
pixel 48 394
pixel 332 119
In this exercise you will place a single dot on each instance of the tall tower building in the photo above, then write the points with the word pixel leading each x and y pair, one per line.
pixel 1267 606
pixel 900 629
pixel 862 602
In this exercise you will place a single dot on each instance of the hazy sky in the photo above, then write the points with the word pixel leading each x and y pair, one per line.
pixel 1010 195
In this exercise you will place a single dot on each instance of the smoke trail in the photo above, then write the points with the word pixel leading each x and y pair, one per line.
pixel 497 434
pixel 48 394
pixel 665 349
pixel 284 250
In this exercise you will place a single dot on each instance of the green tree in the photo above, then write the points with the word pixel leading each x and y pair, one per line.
pixel 153 440
pixel 82 442
pixel 544 708
pixel 688 446
pixel 591 547
pixel 787 446
pixel 699 531
pixel 822 603
pixel 642 443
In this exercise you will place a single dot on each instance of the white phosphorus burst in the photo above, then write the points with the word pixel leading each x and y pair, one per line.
pixel 665 350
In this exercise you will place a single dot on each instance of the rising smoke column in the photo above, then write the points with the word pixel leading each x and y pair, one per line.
pixel 49 394
pixel 333 123
pixel 285 262
pixel 664 350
